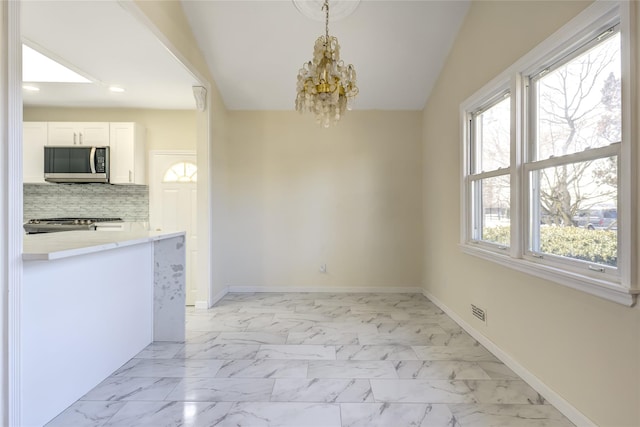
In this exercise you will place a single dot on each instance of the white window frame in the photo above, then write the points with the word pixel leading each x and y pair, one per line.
pixel 622 285
pixel 475 178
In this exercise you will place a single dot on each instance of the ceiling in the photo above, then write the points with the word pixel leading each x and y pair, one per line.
pixel 253 48
pixel 103 41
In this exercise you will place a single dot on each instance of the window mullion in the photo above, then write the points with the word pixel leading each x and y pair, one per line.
pixel 517 208
pixel 582 156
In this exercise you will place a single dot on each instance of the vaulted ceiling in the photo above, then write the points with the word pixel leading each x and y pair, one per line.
pixel 253 48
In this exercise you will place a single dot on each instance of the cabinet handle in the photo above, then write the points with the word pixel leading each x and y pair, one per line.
pixel 75 136
pixel 130 176
pixel 80 138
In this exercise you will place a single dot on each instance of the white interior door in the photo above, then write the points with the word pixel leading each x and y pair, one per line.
pixel 173 204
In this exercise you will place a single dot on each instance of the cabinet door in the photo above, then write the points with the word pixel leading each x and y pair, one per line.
pixel 78 133
pixel 34 138
pixel 62 133
pixel 128 154
pixel 122 153
pixel 93 133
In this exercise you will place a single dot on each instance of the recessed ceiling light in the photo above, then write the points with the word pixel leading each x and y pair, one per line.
pixel 31 88
pixel 116 89
pixel 37 67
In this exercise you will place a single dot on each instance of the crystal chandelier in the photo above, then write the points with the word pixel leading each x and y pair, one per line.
pixel 326 87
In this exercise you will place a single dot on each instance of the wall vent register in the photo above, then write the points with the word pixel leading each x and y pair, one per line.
pixel 479 313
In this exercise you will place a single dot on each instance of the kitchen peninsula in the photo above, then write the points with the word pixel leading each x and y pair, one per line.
pixel 90 302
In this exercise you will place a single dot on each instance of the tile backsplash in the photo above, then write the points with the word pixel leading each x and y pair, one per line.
pixel 129 202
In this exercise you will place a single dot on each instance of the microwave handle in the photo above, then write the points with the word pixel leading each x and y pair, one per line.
pixel 92 159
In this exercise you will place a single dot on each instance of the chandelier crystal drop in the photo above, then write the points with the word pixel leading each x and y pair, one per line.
pixel 326 87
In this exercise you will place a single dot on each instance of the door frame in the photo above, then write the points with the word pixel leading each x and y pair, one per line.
pixel 11 210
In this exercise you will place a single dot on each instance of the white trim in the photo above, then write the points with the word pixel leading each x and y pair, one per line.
pixel 144 20
pixel 217 297
pixel 628 209
pixel 12 54
pixel 601 288
pixel 562 405
pixel 201 305
pixel 329 289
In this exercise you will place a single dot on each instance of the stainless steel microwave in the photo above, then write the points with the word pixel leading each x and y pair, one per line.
pixel 76 164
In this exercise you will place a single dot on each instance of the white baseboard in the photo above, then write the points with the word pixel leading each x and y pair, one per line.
pixel 328 289
pixel 568 410
pixel 214 299
pixel 201 305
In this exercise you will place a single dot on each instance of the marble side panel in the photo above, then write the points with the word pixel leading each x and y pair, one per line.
pixel 169 289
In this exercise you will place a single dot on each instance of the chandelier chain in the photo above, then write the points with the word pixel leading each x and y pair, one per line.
pixel 325 7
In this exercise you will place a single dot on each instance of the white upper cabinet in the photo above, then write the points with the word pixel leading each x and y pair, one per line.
pixel 34 138
pixel 127 154
pixel 78 133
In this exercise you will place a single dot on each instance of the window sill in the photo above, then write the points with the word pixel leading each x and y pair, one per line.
pixel 608 290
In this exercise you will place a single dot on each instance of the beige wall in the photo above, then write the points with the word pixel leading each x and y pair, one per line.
pixel 584 348
pixel 169 21
pixel 348 196
pixel 166 129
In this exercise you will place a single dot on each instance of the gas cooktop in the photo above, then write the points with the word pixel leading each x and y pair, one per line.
pixel 51 225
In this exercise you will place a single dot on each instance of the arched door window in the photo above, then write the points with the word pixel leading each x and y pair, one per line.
pixel 181 172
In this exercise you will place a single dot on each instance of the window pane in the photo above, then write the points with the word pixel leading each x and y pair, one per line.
pixel 492 137
pixel 495 209
pixel 181 172
pixel 574 211
pixel 579 102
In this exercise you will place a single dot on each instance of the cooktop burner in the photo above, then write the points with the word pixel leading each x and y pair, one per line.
pixel 51 225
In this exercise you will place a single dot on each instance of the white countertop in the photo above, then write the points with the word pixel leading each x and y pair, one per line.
pixel 51 246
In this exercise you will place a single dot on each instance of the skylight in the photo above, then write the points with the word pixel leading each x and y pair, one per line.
pixel 37 67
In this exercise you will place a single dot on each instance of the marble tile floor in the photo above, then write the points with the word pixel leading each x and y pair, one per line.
pixel 315 360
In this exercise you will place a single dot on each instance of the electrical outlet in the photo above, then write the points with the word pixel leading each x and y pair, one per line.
pixel 323 268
